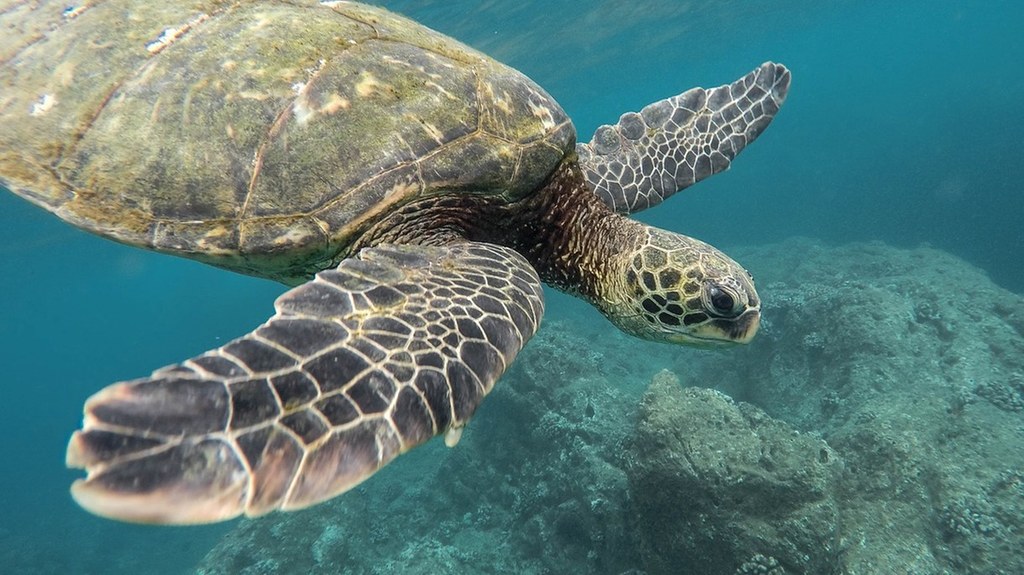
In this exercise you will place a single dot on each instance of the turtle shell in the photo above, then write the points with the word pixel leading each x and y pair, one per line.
pixel 259 136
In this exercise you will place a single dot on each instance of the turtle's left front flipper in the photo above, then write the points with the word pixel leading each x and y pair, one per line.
pixel 679 141
pixel 357 366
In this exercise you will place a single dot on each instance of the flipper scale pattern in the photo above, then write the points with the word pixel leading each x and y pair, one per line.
pixel 674 143
pixel 357 366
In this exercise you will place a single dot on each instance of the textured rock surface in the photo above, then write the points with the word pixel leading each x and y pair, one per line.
pixel 909 363
pixel 714 482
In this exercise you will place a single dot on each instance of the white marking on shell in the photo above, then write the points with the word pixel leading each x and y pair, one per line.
pixel 72 12
pixel 302 108
pixel 65 73
pixel 433 130
pixel 502 104
pixel 212 240
pixel 544 114
pixel 500 101
pixel 334 104
pixel 44 104
pixel 368 85
pixel 402 189
pixel 440 90
pixel 170 35
pixel 294 236
pixel 316 69
pixel 248 95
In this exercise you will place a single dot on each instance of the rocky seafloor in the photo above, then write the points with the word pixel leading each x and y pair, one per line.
pixel 875 426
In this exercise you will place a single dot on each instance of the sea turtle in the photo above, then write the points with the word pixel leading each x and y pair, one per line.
pixel 415 191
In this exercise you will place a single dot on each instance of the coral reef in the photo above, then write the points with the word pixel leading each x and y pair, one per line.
pixel 761 565
pixel 886 438
pixel 908 363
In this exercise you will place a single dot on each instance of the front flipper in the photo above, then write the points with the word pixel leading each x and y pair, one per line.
pixel 676 142
pixel 361 364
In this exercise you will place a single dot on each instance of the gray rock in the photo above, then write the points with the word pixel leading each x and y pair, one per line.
pixel 714 482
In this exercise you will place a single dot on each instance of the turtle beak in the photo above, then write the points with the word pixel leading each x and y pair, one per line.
pixel 744 328
pixel 723 332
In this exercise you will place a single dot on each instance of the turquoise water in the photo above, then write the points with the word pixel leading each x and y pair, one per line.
pixel 903 125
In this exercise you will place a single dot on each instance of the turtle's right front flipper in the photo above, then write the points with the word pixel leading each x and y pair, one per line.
pixel 357 366
pixel 679 141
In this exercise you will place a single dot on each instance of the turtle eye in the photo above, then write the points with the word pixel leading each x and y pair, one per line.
pixel 722 302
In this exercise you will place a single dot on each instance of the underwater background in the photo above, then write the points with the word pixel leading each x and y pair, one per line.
pixel 882 215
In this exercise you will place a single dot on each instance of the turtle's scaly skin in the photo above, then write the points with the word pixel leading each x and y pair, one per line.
pixel 200 128
pixel 695 134
pixel 356 367
pixel 429 188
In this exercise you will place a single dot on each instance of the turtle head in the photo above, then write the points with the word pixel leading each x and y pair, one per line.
pixel 676 289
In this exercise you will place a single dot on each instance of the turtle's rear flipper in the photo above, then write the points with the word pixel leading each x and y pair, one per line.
pixel 357 366
pixel 673 143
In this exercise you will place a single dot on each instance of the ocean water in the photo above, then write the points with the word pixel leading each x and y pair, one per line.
pixel 902 126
